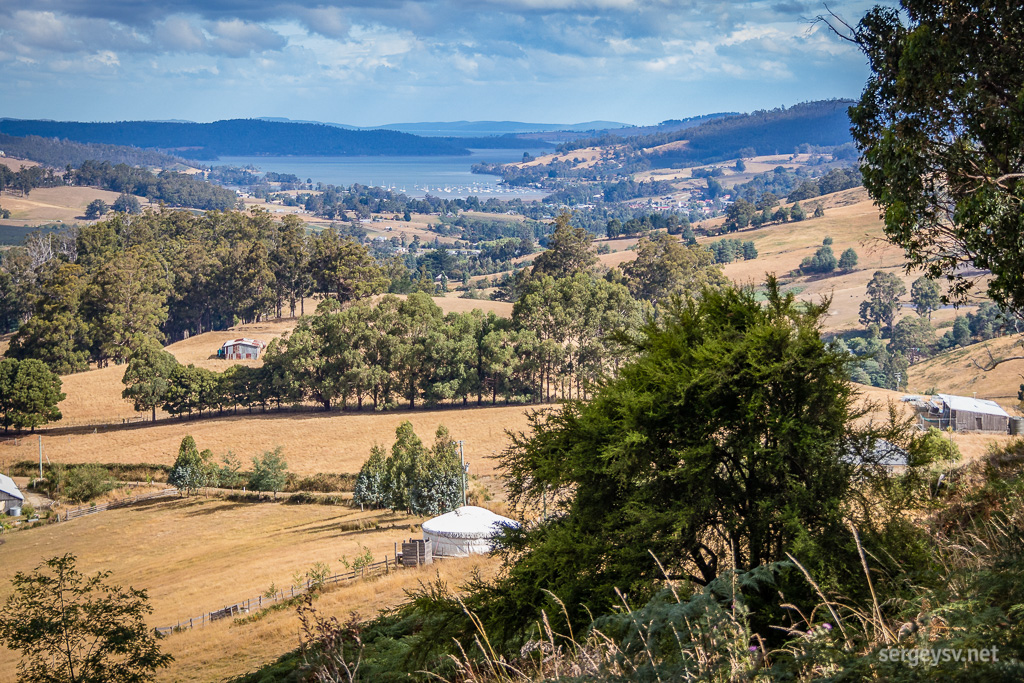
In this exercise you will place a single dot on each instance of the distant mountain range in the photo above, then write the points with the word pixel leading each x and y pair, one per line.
pixel 470 129
pixel 485 128
pixel 819 123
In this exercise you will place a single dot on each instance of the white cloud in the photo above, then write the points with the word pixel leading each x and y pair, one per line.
pixel 463 55
pixel 179 34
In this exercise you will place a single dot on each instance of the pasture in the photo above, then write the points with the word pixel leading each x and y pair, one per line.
pixel 312 441
pixel 957 371
pixel 51 204
pixel 851 220
pixel 195 555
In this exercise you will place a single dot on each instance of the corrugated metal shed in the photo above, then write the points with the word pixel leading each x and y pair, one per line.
pixel 972 414
pixel 242 348
pixel 973 405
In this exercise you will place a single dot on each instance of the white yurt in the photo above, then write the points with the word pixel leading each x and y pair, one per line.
pixel 467 530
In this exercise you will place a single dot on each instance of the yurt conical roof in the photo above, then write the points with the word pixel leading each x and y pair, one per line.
pixel 468 521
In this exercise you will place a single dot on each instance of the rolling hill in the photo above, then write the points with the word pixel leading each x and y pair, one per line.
pixel 239 137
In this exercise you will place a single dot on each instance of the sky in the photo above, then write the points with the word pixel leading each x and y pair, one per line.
pixel 372 62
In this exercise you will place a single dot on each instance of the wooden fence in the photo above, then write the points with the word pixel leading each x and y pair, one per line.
pixel 84 510
pixel 261 601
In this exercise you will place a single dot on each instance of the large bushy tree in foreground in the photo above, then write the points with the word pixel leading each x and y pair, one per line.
pixel 940 125
pixel 72 628
pixel 718 448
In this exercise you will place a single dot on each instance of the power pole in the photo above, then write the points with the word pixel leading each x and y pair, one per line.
pixel 465 469
pixel 40 456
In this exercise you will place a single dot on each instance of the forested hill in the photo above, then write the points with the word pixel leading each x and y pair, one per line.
pixel 60 153
pixel 239 137
pixel 824 123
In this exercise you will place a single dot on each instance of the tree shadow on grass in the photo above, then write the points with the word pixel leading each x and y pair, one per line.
pixel 218 506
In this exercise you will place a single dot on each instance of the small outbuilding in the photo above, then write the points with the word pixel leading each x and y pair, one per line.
pixel 242 348
pixel 468 530
pixel 11 499
pixel 967 414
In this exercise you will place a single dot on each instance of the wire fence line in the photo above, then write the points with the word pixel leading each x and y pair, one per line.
pixel 83 510
pixel 259 602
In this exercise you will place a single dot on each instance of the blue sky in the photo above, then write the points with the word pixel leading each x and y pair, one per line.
pixel 370 62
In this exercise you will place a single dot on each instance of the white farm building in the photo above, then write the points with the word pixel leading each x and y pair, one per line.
pixel 468 530
pixel 241 349
pixel 11 499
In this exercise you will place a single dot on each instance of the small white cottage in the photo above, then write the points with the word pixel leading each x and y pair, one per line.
pixel 241 349
pixel 468 530
pixel 11 499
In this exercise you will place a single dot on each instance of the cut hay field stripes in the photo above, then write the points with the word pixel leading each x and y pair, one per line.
pixel 261 601
pixel 84 510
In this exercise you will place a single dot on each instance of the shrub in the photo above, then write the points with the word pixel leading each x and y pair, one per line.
pixel 823 261
pixel 86 482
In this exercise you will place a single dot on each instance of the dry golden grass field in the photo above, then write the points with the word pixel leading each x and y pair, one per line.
pixel 957 371
pixel 197 555
pixel 15 164
pixel 851 220
pixel 51 204
pixel 385 226
pixel 312 441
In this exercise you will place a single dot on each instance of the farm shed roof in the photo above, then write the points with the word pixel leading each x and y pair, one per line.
pixel 243 340
pixel 883 453
pixel 468 521
pixel 973 405
pixel 8 486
